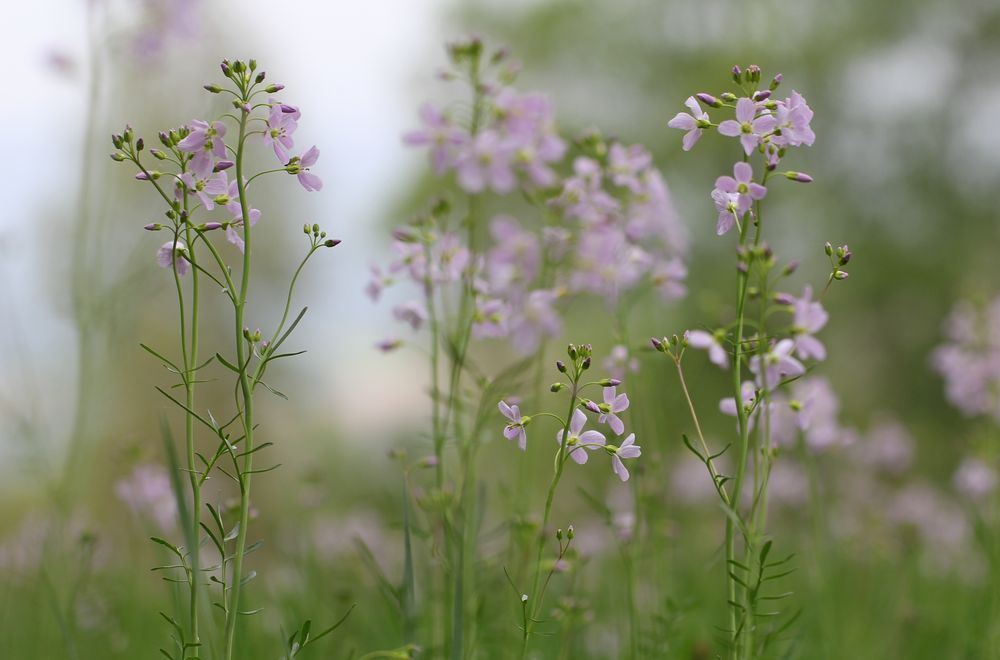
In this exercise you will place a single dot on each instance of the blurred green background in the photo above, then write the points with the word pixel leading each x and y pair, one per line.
pixel 907 170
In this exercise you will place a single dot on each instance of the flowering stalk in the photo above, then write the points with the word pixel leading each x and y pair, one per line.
pixel 765 128
pixel 201 158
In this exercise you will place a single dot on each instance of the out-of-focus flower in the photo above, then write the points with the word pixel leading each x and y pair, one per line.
pixel 975 479
pixel 810 317
pixel 777 364
pixel 536 319
pixel 413 312
pixel 147 492
pixel 969 360
pixel 486 164
pixel 619 362
pixel 438 134
pixel 711 342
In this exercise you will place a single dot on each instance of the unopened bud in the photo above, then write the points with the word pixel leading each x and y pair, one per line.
pixel 157 154
pixel 845 258
pixel 801 177
pixel 165 139
pixel 761 95
pixel 828 249
pixel 586 363
pixel 791 267
pixel 117 140
pixel 213 88
pixel 784 299
pixel 657 344
pixel 571 352
pixel 708 100
pixel 140 144
pixel 591 406
pixel 557 387
pixel 840 275
pixel 561 366
pixel 260 77
pixel 569 533
pixel 153 226
pixel 271 89
pixel 332 242
pixel 222 165
pixel 775 82
pixel 727 97
pixel 736 73
pixel 227 71
pixel 753 73
pixel 610 382
pixel 211 226
pixel 118 156
pixel 559 534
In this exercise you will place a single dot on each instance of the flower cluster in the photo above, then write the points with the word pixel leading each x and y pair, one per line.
pixel 574 442
pixel 762 124
pixel 969 360
pixel 201 161
pixel 602 224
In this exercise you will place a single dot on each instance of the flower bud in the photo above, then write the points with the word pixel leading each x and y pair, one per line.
pixel 140 144
pixel 591 406
pixel 610 382
pixel 272 89
pixel 571 352
pixel 117 140
pixel 727 97
pixel 165 139
pixel 557 387
pixel 260 77
pixel 569 533
pixel 801 177
pixel 784 299
pixel 775 82
pixel 828 249
pixel 332 242
pixel 227 71
pixel 753 73
pixel 222 165
pixel 253 64
pixel 213 88
pixel 524 598
pixel 657 344
pixel 791 267
pixel 761 95
pixel 153 226
pixel 157 154
pixel 736 73
pixel 561 366
pixel 845 258
pixel 559 534
pixel 708 100
pixel 586 363
pixel 840 275
pixel 211 226
pixel 118 156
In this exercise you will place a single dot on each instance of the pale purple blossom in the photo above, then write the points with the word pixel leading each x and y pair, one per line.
pixel 579 440
pixel 668 278
pixel 693 123
pixel 309 181
pixel 167 256
pixel 413 313
pixel 627 449
pixel 515 429
pixel 282 120
pixel 777 364
pixel 147 492
pixel 377 283
pixel 969 360
pixel 748 126
pixel 709 341
pixel 742 185
pixel 627 164
pixel 974 479
pixel 619 362
pixel 614 403
pixel 485 163
pixel 792 117
pixel 536 319
pixel 204 141
pixel 205 184
pixel 440 135
pixel 491 319
pixel 748 392
pixel 810 317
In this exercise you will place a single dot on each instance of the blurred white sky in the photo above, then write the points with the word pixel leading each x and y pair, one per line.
pixel 357 99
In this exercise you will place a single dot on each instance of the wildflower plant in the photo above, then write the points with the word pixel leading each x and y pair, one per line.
pixel 766 348
pixel 531 220
pixel 205 188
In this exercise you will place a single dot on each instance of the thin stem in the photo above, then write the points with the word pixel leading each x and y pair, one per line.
pixel 245 476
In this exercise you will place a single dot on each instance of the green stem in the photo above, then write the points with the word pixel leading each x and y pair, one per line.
pixel 533 605
pixel 245 476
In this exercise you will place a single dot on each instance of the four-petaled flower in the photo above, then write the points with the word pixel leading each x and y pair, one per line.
pixel 612 405
pixel 747 125
pixel 282 121
pixel 810 317
pixel 517 423
pixel 627 449
pixel 299 166
pixel 205 142
pixel 734 195
pixel 580 440
pixel 777 364
pixel 693 123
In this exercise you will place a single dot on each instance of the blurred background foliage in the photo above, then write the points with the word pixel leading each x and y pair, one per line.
pixel 907 169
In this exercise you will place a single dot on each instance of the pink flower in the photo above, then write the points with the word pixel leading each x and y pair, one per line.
pixel 693 123
pixel 709 341
pixel 309 181
pixel 810 317
pixel 668 278
pixel 738 188
pixel 206 185
pixel 792 122
pixel 537 318
pixel 167 255
pixel 748 392
pixel 414 313
pixel 486 164
pixel 625 164
pixel 613 404
pixel 490 319
pixel 580 440
pixel 205 142
pixel 627 449
pixel 747 125
pixel 517 423
pixel 378 282
pixel 439 135
pixel 282 121
pixel 777 364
